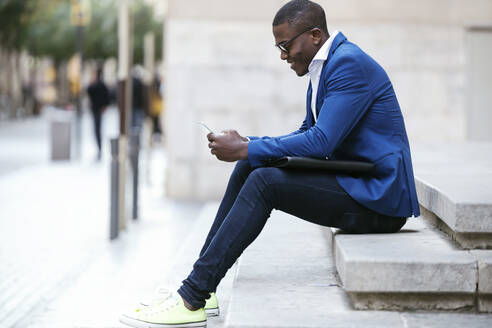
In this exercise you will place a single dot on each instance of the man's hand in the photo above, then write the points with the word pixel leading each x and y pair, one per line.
pixel 228 146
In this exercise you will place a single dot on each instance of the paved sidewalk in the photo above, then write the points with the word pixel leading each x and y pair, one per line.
pixel 57 266
pixel 289 268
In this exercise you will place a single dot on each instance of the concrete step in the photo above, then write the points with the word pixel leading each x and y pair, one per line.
pixel 287 278
pixel 417 268
pixel 453 186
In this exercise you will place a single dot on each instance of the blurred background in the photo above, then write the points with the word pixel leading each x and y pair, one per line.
pixel 155 68
pixel 224 70
pixel 216 63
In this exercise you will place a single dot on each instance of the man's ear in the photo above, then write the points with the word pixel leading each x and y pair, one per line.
pixel 316 35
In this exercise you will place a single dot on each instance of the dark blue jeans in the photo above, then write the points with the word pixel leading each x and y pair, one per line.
pixel 250 197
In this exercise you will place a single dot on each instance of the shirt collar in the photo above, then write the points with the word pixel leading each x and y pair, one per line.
pixel 323 52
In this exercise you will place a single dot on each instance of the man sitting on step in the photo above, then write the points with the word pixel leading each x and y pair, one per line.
pixel 352 114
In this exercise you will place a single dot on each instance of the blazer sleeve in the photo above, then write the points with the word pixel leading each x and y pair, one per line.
pixel 347 99
pixel 300 130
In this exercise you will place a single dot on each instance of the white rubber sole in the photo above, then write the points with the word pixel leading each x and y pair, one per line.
pixel 144 324
pixel 212 312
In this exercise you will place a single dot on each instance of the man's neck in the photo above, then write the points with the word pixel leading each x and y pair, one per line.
pixel 324 38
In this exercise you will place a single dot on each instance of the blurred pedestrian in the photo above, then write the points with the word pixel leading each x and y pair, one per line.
pixel 99 98
pixel 139 101
pixel 156 106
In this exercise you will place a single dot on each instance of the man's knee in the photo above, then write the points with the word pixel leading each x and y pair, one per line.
pixel 242 169
pixel 262 184
pixel 243 164
pixel 266 176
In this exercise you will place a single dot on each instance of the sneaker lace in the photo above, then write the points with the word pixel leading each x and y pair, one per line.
pixel 160 294
pixel 170 302
pixel 163 291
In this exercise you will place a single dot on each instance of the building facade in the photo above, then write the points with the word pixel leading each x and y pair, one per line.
pixel 221 68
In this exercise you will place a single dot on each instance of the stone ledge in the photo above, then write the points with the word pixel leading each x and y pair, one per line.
pixel 413 301
pixel 414 260
pixel 461 217
pixel 484 260
pixel 453 186
pixel 465 240
pixel 416 269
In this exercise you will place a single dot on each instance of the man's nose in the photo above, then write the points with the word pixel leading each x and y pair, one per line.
pixel 284 55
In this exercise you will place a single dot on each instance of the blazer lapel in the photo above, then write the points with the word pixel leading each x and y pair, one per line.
pixel 308 105
pixel 339 39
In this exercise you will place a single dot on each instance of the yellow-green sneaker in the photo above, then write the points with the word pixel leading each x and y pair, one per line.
pixel 169 313
pixel 212 306
pixel 163 292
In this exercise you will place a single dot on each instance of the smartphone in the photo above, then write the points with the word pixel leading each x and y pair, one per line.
pixel 205 126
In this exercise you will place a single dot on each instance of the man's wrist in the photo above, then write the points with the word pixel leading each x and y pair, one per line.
pixel 244 150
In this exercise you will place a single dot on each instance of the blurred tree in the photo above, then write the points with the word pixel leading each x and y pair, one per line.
pixel 143 22
pixel 50 33
pixel 14 27
pixel 101 35
pixel 43 28
pixel 14 18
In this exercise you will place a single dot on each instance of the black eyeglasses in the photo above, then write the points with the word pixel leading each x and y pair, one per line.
pixel 282 46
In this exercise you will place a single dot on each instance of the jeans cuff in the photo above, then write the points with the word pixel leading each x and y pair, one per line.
pixel 192 297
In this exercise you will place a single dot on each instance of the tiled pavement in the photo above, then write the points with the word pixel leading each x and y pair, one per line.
pixel 57 266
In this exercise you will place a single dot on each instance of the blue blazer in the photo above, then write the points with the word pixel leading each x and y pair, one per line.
pixel 359 118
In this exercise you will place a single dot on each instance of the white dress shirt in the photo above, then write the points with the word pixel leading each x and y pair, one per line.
pixel 315 68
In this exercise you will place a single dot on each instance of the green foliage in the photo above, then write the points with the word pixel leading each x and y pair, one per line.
pixel 101 35
pixel 143 22
pixel 14 18
pixel 50 32
pixel 43 28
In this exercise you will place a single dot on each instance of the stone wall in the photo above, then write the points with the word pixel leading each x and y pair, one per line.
pixel 221 68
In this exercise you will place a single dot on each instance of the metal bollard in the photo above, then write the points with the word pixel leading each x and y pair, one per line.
pixel 61 134
pixel 115 185
pixel 134 159
pixel 60 140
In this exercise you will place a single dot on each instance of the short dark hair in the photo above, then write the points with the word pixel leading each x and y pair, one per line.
pixel 302 14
